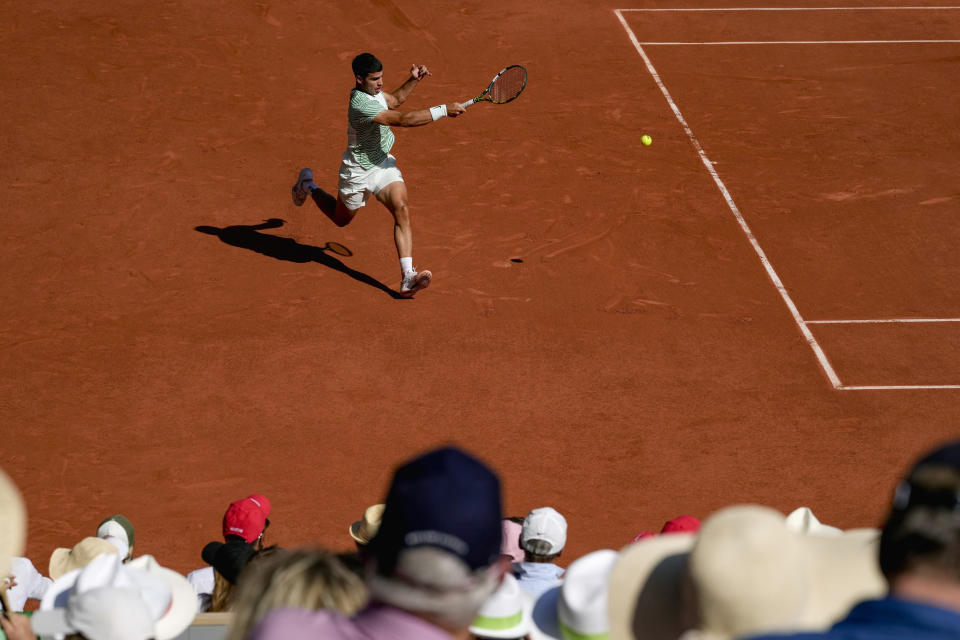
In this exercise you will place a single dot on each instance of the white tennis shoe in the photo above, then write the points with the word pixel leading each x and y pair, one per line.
pixel 415 281
pixel 300 191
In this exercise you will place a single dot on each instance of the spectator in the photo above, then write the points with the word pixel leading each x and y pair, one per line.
pixel 802 520
pixel 244 521
pixel 577 607
pixel 543 536
pixel 308 579
pixel 744 572
pixel 118 530
pixel 109 600
pixel 506 614
pixel 227 560
pixel 27 584
pixel 63 560
pixel 362 531
pixel 680 524
pixel 511 539
pixel 920 559
pixel 432 564
pixel 13 537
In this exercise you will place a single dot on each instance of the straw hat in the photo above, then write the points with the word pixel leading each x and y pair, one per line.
pixel 13 533
pixel 63 560
pixel 364 530
pixel 744 573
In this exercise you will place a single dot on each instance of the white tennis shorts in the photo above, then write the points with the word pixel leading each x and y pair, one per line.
pixel 357 184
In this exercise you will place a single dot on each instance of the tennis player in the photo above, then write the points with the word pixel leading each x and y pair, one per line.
pixel 367 167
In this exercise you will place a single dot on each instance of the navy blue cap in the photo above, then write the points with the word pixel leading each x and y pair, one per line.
pixel 947 455
pixel 445 499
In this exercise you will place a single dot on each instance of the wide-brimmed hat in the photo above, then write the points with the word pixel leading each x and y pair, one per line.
pixel 228 558
pixel 130 595
pixel 745 572
pixel 577 607
pixel 506 613
pixel 802 520
pixel 63 560
pixel 364 529
pixel 13 533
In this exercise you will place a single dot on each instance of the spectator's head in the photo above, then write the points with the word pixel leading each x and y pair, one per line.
pixel 680 524
pixel 109 600
pixel 118 531
pixel 506 614
pixel 228 560
pixel 436 554
pixel 743 573
pixel 247 520
pixel 577 607
pixel 63 560
pixel 510 546
pixel 921 537
pixel 362 531
pixel 543 535
pixel 13 515
pixel 307 579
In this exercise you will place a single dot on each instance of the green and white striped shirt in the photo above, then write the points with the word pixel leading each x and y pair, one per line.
pixel 368 142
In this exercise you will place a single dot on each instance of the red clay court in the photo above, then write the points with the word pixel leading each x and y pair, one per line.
pixel 761 307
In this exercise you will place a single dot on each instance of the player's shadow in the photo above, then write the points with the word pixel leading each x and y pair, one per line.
pixel 249 236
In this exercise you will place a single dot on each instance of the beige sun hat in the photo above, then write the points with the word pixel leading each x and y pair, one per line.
pixel 13 533
pixel 63 560
pixel 365 529
pixel 744 573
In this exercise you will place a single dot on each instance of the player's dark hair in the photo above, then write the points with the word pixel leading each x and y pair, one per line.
pixel 922 533
pixel 366 63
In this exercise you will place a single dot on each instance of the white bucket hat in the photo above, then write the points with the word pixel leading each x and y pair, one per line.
pixel 506 613
pixel 747 574
pixel 74 602
pixel 577 607
pixel 802 520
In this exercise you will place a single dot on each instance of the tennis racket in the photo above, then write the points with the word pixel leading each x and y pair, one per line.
pixel 505 86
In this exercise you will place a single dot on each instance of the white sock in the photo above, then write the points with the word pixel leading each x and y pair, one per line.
pixel 406 265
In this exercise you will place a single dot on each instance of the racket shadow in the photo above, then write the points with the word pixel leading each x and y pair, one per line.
pixel 249 236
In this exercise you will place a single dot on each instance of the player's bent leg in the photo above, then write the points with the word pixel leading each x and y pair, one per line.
pixel 333 208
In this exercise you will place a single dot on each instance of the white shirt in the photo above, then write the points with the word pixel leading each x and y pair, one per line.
pixel 202 581
pixel 30 584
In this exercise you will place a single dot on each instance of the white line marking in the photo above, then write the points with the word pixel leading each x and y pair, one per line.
pixel 796 9
pixel 884 387
pixel 730 42
pixel 883 321
pixel 801 325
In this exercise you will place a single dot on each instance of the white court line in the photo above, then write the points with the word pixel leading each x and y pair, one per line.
pixel 883 321
pixel 729 42
pixel 903 8
pixel 801 325
pixel 884 387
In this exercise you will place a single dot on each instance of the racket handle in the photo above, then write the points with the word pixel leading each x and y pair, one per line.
pixel 468 103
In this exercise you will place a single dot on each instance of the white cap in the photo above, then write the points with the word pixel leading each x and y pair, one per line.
pixel 545 524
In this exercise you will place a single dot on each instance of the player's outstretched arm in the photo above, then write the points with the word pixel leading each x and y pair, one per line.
pixel 418 118
pixel 417 73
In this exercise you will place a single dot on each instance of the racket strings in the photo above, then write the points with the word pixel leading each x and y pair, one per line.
pixel 508 85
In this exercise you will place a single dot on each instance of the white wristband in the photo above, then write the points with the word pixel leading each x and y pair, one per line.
pixel 438 112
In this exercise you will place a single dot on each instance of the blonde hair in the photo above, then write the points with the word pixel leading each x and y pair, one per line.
pixel 304 579
pixel 220 598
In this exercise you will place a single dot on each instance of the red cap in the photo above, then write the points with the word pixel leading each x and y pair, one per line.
pixel 681 524
pixel 642 535
pixel 246 518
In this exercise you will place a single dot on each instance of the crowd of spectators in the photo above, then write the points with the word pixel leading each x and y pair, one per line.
pixel 437 560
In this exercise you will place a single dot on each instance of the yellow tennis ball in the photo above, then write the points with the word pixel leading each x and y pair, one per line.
pixel 646 140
